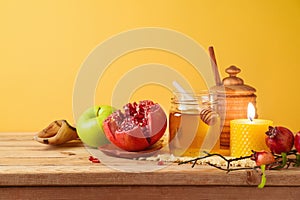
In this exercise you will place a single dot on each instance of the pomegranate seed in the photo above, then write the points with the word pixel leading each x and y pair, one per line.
pixel 140 116
pixel 94 160
pixel 160 162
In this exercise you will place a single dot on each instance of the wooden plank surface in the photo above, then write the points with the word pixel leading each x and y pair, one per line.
pixel 150 193
pixel 28 166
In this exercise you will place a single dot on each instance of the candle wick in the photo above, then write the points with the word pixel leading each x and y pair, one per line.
pixel 251 119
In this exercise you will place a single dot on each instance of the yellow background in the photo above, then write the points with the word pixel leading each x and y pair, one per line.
pixel 44 42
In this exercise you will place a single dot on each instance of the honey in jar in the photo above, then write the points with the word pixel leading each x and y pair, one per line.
pixel 194 124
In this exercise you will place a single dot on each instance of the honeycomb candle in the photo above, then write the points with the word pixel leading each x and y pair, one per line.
pixel 248 134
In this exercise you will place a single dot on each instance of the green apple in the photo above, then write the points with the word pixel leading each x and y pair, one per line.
pixel 89 125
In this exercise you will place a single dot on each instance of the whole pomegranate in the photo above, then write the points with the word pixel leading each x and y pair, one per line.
pixel 263 157
pixel 279 139
pixel 138 127
pixel 297 141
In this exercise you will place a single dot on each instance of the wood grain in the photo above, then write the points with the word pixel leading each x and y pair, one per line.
pixel 150 192
pixel 30 170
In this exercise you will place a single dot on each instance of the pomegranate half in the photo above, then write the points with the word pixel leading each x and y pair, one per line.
pixel 139 126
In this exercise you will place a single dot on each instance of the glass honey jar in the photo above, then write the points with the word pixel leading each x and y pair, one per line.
pixel 194 124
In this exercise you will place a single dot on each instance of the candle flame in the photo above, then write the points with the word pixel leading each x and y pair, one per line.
pixel 251 111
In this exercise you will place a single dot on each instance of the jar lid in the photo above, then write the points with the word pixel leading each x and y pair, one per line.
pixel 234 85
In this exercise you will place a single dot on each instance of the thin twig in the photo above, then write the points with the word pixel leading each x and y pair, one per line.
pixel 232 169
pixel 194 161
pixel 273 166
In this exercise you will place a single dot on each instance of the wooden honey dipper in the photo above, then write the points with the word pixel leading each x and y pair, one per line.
pixel 208 116
pixel 214 65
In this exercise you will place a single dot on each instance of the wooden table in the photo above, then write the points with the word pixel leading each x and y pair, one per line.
pixel 30 170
